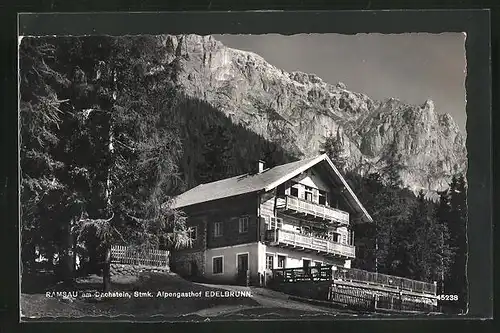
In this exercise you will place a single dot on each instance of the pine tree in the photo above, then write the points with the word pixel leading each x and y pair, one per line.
pixel 442 215
pixel 101 162
pixel 216 155
pixel 457 224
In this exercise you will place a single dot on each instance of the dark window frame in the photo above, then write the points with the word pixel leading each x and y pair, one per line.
pixel 279 260
pixel 242 222
pixel 220 229
pixel 214 266
pixel 269 256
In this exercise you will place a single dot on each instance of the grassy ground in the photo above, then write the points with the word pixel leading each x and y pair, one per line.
pixel 38 305
pixel 264 304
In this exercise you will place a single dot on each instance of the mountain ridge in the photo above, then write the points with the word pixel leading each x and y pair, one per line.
pixel 298 110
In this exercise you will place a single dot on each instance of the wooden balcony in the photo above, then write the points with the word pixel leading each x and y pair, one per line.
pixel 302 208
pixel 300 242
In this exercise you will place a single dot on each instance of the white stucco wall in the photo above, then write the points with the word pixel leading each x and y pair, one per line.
pixel 229 264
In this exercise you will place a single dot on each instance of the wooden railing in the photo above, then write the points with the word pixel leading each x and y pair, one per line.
pixel 325 273
pixel 316 210
pixel 388 281
pixel 130 256
pixel 310 242
pixel 313 273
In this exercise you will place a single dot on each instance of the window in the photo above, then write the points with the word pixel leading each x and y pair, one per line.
pixel 306 230
pixel 217 265
pixel 322 197
pixel 269 261
pixel 294 190
pixel 281 261
pixel 334 236
pixel 308 194
pixel 243 225
pixel 317 263
pixel 193 233
pixel 217 229
pixel 276 223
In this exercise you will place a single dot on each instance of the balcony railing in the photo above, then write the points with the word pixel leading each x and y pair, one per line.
pixel 310 243
pixel 295 205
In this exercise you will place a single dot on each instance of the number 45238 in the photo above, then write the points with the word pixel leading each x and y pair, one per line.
pixel 448 297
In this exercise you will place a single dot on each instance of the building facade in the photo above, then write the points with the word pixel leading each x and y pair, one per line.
pixel 298 214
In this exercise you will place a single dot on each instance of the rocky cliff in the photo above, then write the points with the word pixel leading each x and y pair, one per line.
pixel 297 110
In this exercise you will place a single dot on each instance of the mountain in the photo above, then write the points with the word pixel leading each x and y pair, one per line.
pixel 298 110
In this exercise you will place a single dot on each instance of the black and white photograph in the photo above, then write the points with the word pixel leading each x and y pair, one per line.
pixel 187 177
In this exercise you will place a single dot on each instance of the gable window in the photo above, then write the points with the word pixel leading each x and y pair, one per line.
pixel 269 261
pixel 294 190
pixel 217 265
pixel 243 225
pixel 281 261
pixel 322 197
pixel 308 194
pixel 217 229
pixel 193 233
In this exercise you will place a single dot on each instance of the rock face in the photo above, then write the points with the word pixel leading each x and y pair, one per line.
pixel 297 110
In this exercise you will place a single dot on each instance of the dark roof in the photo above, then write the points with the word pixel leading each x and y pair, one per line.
pixel 264 181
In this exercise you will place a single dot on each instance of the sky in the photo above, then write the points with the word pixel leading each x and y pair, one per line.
pixel 410 67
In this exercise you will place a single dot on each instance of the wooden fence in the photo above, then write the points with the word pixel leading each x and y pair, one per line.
pixel 384 280
pixel 127 255
pixel 358 299
pixel 351 298
pixel 325 273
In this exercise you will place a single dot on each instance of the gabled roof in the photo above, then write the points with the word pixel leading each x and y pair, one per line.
pixel 264 181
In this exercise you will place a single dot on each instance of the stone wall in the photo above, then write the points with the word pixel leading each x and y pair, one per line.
pixel 189 264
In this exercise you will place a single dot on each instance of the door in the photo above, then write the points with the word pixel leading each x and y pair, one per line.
pixel 307 265
pixel 242 268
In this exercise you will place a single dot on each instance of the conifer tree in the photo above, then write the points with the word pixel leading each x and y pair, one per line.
pixel 457 224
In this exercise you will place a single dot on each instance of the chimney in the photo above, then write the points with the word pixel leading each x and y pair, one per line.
pixel 261 166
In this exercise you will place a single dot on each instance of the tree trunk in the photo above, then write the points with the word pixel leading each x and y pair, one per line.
pixel 106 273
pixel 66 255
pixel 74 255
